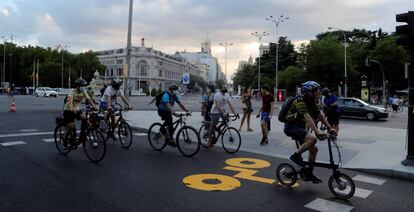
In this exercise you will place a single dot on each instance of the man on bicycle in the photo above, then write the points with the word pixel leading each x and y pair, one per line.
pixel 221 98
pixel 302 113
pixel 165 111
pixel 71 109
pixel 110 96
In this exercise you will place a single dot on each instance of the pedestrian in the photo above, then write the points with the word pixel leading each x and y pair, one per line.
pixel 247 108
pixel 395 104
pixel 331 108
pixel 207 103
pixel 265 112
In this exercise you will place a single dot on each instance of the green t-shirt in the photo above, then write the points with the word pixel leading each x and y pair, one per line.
pixel 77 98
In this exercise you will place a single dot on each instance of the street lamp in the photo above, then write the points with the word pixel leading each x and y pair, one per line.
pixel 62 51
pixel 259 36
pixel 345 45
pixel 277 22
pixel 3 74
pixel 128 53
pixel 367 61
pixel 225 45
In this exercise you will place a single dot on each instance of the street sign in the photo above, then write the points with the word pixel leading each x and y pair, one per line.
pixel 186 78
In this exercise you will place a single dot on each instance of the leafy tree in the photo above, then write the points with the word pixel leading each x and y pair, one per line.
pixel 290 78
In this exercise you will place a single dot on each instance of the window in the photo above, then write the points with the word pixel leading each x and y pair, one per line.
pixel 142 67
pixel 119 61
pixel 120 72
pixel 160 74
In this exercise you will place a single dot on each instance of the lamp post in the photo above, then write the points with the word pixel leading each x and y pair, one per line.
pixel 226 46
pixel 3 74
pixel 367 61
pixel 345 74
pixel 277 22
pixel 128 53
pixel 61 52
pixel 259 36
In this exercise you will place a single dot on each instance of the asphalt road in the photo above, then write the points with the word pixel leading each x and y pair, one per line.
pixel 35 177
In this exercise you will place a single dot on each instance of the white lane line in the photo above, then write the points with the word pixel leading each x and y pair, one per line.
pixel 367 179
pixel 29 130
pixel 140 134
pixel 325 205
pixel 11 143
pixel 360 193
pixel 48 140
pixel 25 134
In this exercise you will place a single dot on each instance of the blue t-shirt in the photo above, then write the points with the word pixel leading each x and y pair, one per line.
pixel 166 99
pixel 329 100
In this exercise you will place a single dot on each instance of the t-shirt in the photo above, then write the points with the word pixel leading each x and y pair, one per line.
pixel 328 101
pixel 267 102
pixel 222 99
pixel 395 101
pixel 166 99
pixel 77 98
pixel 300 106
pixel 111 92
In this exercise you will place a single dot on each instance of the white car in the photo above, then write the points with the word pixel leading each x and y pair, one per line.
pixel 45 92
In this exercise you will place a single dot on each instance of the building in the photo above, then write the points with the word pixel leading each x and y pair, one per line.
pixel 205 57
pixel 264 49
pixel 150 68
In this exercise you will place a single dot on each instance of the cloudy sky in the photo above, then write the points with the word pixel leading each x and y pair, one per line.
pixel 171 25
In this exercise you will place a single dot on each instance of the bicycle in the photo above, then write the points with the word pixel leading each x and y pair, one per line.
pixel 94 144
pixel 230 136
pixel 187 138
pixel 341 185
pixel 124 130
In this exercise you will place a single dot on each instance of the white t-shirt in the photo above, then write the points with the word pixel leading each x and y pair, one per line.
pixel 111 92
pixel 395 101
pixel 222 99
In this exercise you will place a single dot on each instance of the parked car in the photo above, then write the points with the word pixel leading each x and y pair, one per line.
pixel 45 92
pixel 62 91
pixel 354 107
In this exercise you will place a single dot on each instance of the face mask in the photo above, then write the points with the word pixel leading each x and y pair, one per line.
pixel 82 89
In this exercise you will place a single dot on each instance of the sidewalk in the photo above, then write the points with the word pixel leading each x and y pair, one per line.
pixel 373 149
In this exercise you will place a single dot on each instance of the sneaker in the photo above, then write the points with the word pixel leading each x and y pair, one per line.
pixel 264 141
pixel 297 159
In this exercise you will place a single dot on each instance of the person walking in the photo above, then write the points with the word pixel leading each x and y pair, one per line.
pixel 247 109
pixel 331 108
pixel 395 104
pixel 265 113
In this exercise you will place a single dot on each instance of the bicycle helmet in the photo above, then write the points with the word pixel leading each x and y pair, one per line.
pixel 80 82
pixel 310 85
pixel 116 83
pixel 173 87
pixel 325 91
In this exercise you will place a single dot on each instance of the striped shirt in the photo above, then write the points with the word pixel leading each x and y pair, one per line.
pixel 299 108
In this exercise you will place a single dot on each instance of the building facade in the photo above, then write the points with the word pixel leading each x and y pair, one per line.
pixel 150 68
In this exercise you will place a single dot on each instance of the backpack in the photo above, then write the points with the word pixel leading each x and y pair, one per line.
pixel 285 109
pixel 159 97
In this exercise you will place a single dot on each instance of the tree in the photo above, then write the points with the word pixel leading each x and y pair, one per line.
pixel 290 78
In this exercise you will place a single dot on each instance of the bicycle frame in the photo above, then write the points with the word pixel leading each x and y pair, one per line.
pixel 331 165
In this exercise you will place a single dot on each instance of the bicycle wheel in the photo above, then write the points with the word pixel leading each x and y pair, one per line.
pixel 203 132
pixel 94 145
pixel 125 134
pixel 342 186
pixel 286 174
pixel 231 140
pixel 156 138
pixel 188 141
pixel 59 134
pixel 400 109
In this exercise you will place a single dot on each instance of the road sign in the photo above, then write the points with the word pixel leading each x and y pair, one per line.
pixel 186 78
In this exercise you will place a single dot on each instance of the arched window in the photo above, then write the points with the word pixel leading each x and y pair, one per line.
pixel 142 68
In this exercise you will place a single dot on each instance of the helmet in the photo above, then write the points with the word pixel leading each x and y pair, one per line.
pixel 310 85
pixel 80 82
pixel 173 87
pixel 116 83
pixel 325 91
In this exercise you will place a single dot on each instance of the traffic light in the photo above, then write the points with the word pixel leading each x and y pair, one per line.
pixel 406 32
pixel 280 96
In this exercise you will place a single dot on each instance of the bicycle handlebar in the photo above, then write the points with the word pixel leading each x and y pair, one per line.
pixel 182 114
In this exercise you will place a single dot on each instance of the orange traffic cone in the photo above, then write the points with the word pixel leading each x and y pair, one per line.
pixel 13 106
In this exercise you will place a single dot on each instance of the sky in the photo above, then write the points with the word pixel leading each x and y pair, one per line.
pixel 171 25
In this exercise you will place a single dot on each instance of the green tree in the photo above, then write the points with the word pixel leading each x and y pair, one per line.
pixel 292 77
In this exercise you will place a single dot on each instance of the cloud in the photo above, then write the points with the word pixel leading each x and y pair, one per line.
pixel 171 25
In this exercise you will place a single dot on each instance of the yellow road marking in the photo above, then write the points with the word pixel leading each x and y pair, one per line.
pixel 248 174
pixel 249 163
pixel 197 181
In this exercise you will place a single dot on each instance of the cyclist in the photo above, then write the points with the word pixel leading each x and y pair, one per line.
pixel 221 98
pixel 110 96
pixel 71 109
pixel 302 113
pixel 165 111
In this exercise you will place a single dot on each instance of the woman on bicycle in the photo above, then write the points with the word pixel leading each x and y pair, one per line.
pixel 71 109
pixel 247 109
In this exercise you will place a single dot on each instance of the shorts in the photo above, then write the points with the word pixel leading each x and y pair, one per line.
pixel 103 105
pixel 296 132
pixel 248 109
pixel 333 118
pixel 394 107
pixel 215 118
pixel 70 116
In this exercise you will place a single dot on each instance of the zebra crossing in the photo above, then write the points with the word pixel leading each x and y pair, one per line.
pixel 320 204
